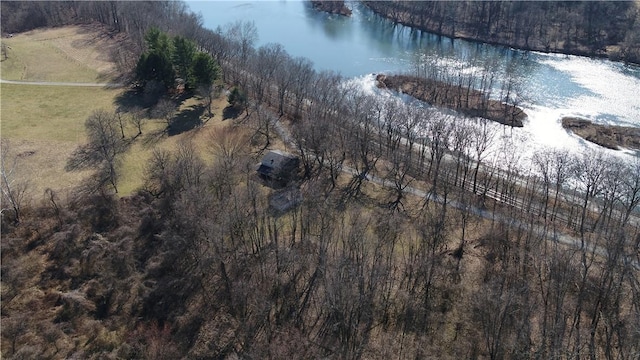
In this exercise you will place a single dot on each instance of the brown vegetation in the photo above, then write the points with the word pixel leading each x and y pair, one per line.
pixel 467 101
pixel 609 136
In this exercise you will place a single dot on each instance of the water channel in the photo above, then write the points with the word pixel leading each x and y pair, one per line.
pixel 551 86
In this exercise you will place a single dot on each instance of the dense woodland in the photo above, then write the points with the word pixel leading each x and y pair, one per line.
pixel 602 28
pixel 484 262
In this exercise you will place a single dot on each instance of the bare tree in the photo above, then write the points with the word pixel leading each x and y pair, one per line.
pixel 461 147
pixel 439 130
pixel 230 148
pixel 302 72
pixel 542 163
pixel 267 66
pixel 631 189
pixel 363 151
pixel 165 109
pixel 242 36
pixel 398 171
pixel 263 122
pixel 482 139
pixel 589 172
pixel 13 188
pixel 103 150
pixel 209 92
pixel 284 77
pixel 137 117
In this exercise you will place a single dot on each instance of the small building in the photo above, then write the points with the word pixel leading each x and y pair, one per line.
pixel 278 168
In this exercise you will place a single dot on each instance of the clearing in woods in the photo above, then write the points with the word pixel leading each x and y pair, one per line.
pixel 44 124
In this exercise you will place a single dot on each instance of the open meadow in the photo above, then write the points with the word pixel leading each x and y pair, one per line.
pixel 43 124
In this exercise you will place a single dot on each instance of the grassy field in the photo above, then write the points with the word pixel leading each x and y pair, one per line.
pixel 44 124
pixel 72 54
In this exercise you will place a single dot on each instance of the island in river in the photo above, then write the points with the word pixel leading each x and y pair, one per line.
pixel 609 136
pixel 465 100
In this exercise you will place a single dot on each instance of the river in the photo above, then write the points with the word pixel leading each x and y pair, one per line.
pixel 550 86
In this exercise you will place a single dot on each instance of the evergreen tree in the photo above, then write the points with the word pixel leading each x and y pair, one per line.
pixel 183 57
pixel 156 63
pixel 205 70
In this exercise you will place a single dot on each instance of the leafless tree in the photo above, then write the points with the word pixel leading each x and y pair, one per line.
pixel 14 328
pixel 14 189
pixel 103 150
pixel 482 138
pixel 242 36
pixel 209 92
pixel 363 150
pixel 263 121
pixel 231 151
pixel 631 189
pixel 165 109
pixel 439 131
pixel 398 170
pixel 177 176
pixel 137 117
pixel 303 75
pixel 589 171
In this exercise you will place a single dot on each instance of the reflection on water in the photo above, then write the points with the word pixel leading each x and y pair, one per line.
pixel 549 85
pixel 335 27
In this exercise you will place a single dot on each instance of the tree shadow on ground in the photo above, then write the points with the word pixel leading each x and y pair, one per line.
pixel 230 112
pixel 186 120
pixel 130 99
pixel 154 137
pixel 136 98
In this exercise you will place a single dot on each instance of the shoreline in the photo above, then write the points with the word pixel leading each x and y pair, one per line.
pixel 400 18
pixel 469 102
pixel 331 7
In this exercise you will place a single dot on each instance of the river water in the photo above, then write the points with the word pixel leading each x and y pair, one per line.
pixel 550 86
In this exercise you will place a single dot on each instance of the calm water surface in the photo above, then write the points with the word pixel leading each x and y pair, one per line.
pixel 550 85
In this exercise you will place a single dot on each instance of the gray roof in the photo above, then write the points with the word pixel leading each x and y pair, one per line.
pixel 276 161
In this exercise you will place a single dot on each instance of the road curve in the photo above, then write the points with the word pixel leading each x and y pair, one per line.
pixel 58 83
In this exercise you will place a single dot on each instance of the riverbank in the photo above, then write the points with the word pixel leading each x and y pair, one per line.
pixel 499 24
pixel 331 7
pixel 464 100
pixel 609 136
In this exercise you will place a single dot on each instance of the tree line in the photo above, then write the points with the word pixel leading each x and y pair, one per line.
pixel 598 28
pixel 196 264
